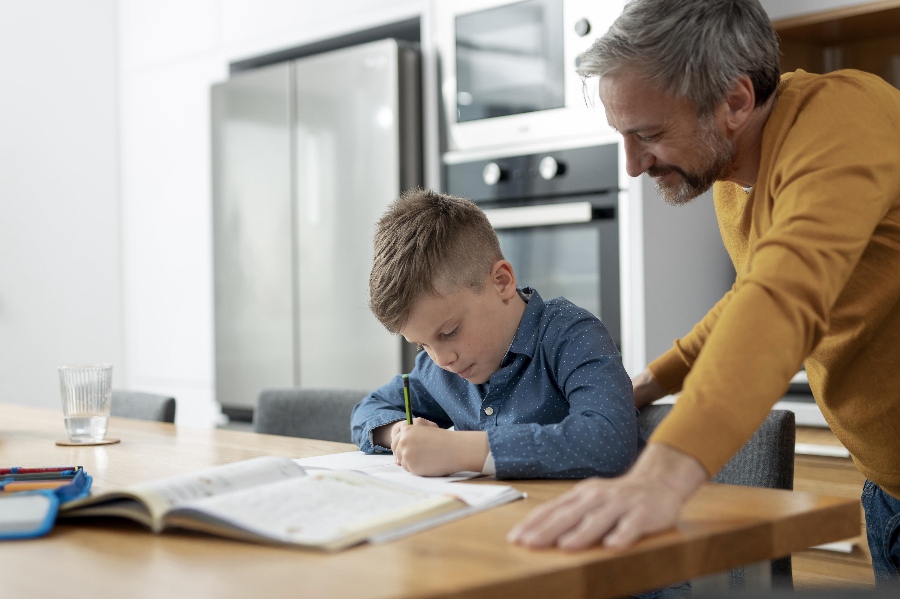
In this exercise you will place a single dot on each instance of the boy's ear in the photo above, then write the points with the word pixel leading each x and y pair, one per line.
pixel 503 278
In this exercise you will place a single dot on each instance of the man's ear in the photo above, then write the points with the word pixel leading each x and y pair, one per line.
pixel 503 278
pixel 739 104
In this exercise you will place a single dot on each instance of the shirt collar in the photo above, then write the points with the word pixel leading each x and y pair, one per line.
pixel 525 341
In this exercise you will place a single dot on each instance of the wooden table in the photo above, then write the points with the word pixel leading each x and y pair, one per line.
pixel 721 527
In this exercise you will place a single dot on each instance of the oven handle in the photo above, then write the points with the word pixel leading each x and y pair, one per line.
pixel 548 214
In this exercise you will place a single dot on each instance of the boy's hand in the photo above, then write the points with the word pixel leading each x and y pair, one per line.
pixel 385 435
pixel 433 451
pixel 399 426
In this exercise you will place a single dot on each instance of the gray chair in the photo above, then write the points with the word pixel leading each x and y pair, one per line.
pixel 767 460
pixel 145 406
pixel 312 413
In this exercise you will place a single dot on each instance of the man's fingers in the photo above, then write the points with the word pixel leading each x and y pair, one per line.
pixel 543 526
pixel 594 525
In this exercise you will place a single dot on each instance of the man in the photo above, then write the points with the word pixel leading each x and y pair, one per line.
pixel 805 173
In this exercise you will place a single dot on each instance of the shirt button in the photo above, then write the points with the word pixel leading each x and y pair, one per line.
pixel 489 410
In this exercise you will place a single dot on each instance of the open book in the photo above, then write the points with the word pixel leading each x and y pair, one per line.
pixel 477 497
pixel 274 500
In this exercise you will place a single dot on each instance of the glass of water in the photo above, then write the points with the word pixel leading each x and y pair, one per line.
pixel 86 391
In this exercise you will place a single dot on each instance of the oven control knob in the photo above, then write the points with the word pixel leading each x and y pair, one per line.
pixel 549 168
pixel 582 27
pixel 493 173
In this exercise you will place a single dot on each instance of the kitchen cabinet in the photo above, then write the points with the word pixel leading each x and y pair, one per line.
pixel 823 465
pixel 862 36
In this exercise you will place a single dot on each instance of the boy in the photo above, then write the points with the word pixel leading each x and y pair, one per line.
pixel 532 389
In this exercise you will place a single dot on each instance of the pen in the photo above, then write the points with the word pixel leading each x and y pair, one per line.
pixel 67 476
pixel 64 474
pixel 21 470
pixel 406 398
pixel 16 486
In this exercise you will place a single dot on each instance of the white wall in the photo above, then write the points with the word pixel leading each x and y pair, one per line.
pixel 60 283
pixel 171 52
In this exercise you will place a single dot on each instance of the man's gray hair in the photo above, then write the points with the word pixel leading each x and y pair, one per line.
pixel 694 49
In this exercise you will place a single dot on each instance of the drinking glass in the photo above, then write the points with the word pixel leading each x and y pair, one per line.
pixel 86 391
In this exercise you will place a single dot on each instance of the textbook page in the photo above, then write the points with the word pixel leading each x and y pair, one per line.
pixel 325 509
pixel 478 497
pixel 148 502
pixel 376 464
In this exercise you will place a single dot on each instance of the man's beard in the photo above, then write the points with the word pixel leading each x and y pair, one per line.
pixel 716 152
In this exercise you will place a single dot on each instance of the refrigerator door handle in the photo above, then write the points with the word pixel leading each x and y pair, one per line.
pixel 546 215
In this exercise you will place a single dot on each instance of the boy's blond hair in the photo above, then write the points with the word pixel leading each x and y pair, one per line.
pixel 428 242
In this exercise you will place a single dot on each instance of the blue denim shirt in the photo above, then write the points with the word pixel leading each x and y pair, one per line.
pixel 559 406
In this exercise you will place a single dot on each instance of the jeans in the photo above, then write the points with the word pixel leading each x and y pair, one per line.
pixel 883 533
pixel 681 590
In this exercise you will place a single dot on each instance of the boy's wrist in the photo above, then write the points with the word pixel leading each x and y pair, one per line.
pixel 474 450
pixel 381 435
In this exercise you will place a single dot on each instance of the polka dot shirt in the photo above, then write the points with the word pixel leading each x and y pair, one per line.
pixel 559 406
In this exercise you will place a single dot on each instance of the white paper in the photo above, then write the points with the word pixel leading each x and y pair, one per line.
pixel 376 464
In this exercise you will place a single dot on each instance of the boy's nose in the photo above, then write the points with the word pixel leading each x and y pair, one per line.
pixel 445 358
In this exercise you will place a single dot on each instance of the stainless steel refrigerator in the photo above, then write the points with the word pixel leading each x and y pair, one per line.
pixel 307 154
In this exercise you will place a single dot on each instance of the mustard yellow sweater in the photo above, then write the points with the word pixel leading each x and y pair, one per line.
pixel 816 246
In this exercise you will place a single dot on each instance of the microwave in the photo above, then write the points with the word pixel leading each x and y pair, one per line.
pixel 507 70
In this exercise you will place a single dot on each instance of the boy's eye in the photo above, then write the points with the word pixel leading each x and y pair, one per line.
pixel 451 334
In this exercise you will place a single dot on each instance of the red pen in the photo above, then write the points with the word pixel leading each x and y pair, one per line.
pixel 21 470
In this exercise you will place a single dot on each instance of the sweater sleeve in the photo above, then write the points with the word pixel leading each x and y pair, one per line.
pixel 828 175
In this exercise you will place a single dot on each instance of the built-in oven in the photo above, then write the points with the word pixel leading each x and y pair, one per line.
pixel 555 213
pixel 508 69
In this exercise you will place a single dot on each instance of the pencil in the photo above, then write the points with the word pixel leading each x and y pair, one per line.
pixel 406 398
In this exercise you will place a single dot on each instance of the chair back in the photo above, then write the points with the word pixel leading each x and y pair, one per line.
pixel 145 406
pixel 767 460
pixel 312 413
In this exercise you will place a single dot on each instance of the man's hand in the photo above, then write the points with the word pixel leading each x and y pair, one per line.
pixel 646 389
pixel 433 451
pixel 616 511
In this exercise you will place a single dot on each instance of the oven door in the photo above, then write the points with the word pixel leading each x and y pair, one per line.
pixel 568 249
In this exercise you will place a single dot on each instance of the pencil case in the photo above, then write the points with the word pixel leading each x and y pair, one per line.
pixel 29 514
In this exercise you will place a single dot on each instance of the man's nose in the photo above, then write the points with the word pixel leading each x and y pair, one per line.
pixel 637 158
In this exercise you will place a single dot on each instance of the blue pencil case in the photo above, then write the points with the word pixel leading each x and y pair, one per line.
pixel 29 514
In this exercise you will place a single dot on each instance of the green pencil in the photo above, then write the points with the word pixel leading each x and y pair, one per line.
pixel 406 398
